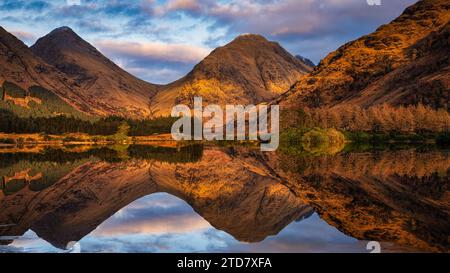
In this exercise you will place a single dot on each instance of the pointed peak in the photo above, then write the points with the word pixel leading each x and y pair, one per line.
pixel 62 36
pixel 62 42
pixel 62 30
pixel 250 36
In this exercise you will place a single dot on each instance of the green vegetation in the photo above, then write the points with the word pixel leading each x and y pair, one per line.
pixel 52 105
pixel 13 90
pixel 58 125
pixel 36 102
pixel 38 171
pixel 14 186
pixel 40 175
pixel 121 136
pixel 184 154
pixel 58 156
pixel 313 141
pixel 39 110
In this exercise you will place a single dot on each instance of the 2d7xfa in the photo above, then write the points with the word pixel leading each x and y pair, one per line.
pixel 246 262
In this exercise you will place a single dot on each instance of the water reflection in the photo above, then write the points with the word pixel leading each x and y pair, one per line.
pixel 194 198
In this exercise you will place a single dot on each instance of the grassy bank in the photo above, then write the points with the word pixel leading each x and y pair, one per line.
pixel 78 138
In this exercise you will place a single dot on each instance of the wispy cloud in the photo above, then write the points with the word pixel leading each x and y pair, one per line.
pixel 23 35
pixel 157 51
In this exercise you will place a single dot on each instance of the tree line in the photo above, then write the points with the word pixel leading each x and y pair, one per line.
pixel 11 123
pixel 380 118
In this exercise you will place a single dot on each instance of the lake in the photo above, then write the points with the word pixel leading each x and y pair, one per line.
pixel 217 198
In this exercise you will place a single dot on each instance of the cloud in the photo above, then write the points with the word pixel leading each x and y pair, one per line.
pixel 158 213
pixel 183 5
pixel 94 25
pixel 158 75
pixel 37 5
pixel 171 7
pixel 10 5
pixel 23 35
pixel 302 17
pixel 156 51
pixel 166 224
pixel 167 38
pixel 156 62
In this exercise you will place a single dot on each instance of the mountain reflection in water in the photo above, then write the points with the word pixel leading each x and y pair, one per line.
pixel 195 198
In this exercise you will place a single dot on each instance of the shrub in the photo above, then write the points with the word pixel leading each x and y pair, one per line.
pixel 313 141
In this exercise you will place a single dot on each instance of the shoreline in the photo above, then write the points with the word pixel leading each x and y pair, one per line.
pixel 9 140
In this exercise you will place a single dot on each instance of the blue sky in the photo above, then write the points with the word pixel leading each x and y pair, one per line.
pixel 161 41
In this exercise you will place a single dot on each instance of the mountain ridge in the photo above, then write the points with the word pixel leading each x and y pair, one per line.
pixel 349 75
pixel 19 66
pixel 107 87
pixel 83 77
pixel 248 70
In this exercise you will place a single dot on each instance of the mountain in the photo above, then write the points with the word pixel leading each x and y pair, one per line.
pixel 248 70
pixel 19 65
pixel 403 62
pixel 105 86
pixel 305 60
pixel 80 80
pixel 26 81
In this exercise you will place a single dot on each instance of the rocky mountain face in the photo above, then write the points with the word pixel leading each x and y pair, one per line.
pixel 403 62
pixel 248 70
pixel 21 67
pixel 104 85
pixel 75 71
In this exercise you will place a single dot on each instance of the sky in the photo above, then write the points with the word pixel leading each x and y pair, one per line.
pixel 161 222
pixel 160 41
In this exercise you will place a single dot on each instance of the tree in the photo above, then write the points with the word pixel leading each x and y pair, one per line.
pixel 121 136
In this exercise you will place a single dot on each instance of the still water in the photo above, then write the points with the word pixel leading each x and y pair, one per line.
pixel 223 199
